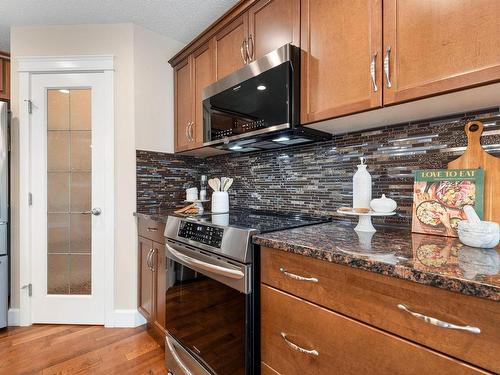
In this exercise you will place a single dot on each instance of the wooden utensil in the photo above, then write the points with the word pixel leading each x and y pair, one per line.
pixel 475 157
pixel 227 184
pixel 214 183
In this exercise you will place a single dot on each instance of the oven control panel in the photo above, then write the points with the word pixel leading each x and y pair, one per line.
pixel 205 234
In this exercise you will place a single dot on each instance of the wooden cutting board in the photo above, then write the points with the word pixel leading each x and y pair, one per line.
pixel 475 157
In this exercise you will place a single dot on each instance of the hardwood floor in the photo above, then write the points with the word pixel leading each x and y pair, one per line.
pixel 71 349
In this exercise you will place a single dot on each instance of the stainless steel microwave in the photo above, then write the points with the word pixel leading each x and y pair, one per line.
pixel 258 106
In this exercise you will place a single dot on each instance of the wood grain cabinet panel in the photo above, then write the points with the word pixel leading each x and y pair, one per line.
pixel 299 337
pixel 374 299
pixel 440 46
pixel 229 47
pixel 340 40
pixel 204 75
pixel 183 104
pixel 145 298
pixel 272 24
pixel 160 285
pixel 4 78
pixel 151 229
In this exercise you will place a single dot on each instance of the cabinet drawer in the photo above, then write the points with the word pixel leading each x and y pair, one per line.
pixel 299 337
pixel 374 299
pixel 151 229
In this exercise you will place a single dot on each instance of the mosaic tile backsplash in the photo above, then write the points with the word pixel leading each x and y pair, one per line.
pixel 162 178
pixel 317 179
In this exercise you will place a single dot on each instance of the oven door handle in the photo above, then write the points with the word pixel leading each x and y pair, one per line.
pixel 195 263
pixel 176 357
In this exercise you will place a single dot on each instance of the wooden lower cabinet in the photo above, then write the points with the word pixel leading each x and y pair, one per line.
pixel 374 299
pixel 299 337
pixel 152 278
pixel 160 286
pixel 145 287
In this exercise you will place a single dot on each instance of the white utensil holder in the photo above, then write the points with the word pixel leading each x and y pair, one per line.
pixel 220 202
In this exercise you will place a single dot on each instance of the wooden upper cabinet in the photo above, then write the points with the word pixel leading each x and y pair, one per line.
pixel 229 47
pixel 4 77
pixel 203 74
pixel 183 104
pixel 341 47
pixel 272 24
pixel 438 46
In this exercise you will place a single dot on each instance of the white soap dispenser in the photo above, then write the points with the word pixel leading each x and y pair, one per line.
pixel 361 187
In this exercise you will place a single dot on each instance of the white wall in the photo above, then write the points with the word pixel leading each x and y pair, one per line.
pixel 154 90
pixel 139 55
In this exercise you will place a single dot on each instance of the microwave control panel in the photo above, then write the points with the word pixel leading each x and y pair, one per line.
pixel 205 234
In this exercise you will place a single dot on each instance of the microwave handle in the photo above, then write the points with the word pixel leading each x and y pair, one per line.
pixel 195 263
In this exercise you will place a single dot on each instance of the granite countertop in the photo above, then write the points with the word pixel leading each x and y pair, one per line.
pixel 156 215
pixel 442 262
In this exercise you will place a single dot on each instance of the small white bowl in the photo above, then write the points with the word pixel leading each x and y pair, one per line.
pixel 485 235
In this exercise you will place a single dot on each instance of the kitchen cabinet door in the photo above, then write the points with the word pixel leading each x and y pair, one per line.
pixel 341 43
pixel 229 47
pixel 160 287
pixel 183 105
pixel 145 298
pixel 438 46
pixel 4 79
pixel 272 24
pixel 203 74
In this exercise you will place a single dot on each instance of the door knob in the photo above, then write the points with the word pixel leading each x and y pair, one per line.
pixel 95 211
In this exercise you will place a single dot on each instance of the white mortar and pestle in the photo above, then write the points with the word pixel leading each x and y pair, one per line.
pixel 477 233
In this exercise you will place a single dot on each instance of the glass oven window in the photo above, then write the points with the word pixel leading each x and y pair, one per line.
pixel 207 318
pixel 257 103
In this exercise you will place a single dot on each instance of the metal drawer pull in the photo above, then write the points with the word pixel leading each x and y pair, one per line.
pixel 297 277
pixel 298 348
pixel 373 66
pixel 152 229
pixel 387 67
pixel 437 322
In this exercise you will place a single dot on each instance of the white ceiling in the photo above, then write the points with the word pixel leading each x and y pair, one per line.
pixel 181 20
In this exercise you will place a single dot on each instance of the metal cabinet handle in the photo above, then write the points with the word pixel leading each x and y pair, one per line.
pixel 298 348
pixel 250 44
pixel 177 358
pixel 373 66
pixel 437 322
pixel 297 277
pixel 243 49
pixel 96 211
pixel 153 265
pixel 191 124
pixel 186 131
pixel 148 258
pixel 387 67
pixel 152 229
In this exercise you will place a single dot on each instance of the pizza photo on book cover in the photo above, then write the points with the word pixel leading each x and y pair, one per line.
pixel 439 196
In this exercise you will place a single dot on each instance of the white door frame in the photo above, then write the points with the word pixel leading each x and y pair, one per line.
pixel 27 66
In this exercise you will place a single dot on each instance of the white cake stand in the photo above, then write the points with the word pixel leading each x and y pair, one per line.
pixel 365 220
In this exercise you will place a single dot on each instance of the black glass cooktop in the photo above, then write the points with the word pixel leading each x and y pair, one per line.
pixel 261 221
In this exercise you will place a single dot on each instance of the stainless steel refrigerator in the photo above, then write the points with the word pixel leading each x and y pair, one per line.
pixel 4 214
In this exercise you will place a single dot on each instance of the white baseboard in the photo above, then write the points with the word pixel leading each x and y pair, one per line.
pixel 13 317
pixel 128 318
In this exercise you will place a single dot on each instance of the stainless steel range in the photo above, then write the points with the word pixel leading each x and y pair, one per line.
pixel 212 299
